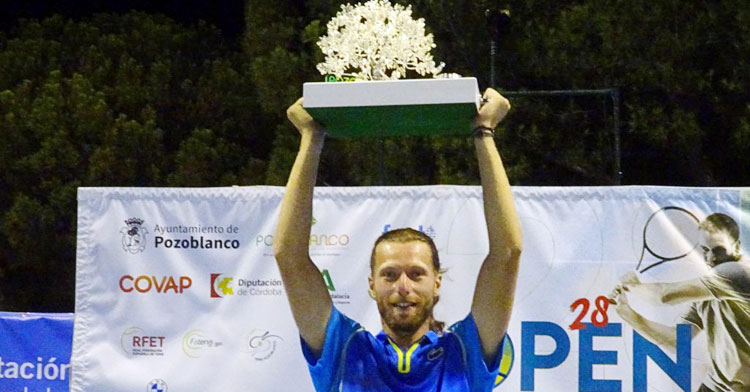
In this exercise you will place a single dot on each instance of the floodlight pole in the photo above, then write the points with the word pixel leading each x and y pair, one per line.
pixel 497 22
pixel 493 52
pixel 616 133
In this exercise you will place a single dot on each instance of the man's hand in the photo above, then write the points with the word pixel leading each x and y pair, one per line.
pixel 630 278
pixel 618 296
pixel 302 120
pixel 493 111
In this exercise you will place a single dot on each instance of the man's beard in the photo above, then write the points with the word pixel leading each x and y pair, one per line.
pixel 408 325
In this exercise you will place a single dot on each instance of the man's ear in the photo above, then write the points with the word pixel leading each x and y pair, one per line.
pixel 438 283
pixel 371 289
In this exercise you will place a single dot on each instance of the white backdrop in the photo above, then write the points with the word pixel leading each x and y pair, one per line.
pixel 177 288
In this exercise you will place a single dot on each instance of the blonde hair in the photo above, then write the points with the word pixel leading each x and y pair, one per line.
pixel 405 235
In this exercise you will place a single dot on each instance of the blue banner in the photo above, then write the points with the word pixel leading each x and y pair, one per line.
pixel 35 351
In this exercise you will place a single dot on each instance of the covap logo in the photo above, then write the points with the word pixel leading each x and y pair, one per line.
pixel 221 286
pixel 150 283
pixel 133 236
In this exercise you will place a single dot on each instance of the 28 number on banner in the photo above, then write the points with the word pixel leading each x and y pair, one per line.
pixel 598 317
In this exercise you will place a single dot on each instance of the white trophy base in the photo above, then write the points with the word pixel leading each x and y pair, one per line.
pixel 414 107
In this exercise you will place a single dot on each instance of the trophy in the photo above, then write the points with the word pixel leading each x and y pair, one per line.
pixel 368 48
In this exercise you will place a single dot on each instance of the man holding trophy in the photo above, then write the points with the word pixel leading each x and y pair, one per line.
pixel 412 353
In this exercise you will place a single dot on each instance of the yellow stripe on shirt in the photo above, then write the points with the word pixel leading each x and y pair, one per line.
pixel 403 366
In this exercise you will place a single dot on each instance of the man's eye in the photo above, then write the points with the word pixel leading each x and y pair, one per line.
pixel 705 249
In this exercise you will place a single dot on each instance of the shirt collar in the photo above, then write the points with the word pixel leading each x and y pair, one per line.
pixel 431 337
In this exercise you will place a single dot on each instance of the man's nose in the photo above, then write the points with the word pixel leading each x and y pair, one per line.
pixel 404 284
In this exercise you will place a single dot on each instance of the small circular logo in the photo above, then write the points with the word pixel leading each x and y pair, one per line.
pixel 261 344
pixel 156 385
pixel 506 362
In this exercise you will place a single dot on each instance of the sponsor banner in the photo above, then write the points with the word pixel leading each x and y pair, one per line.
pixel 35 351
pixel 180 285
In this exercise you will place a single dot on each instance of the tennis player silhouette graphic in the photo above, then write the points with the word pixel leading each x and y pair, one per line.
pixel 720 303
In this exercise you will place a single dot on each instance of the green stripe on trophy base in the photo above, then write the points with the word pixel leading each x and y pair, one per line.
pixel 398 120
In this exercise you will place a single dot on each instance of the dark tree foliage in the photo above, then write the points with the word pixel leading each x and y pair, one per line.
pixel 111 100
pixel 681 69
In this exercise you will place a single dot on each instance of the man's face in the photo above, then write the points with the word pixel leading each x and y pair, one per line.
pixel 718 247
pixel 404 285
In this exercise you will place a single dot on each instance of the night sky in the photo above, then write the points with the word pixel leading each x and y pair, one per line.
pixel 227 15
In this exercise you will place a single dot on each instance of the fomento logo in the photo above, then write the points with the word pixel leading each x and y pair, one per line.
pixel 223 286
pixel 133 236
pixel 196 342
pixel 134 341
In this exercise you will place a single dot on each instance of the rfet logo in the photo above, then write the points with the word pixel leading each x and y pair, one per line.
pixel 159 284
pixel 221 286
pixel 133 236
pixel 136 342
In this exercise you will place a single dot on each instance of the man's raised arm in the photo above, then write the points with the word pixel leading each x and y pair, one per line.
pixel 307 293
pixel 664 335
pixel 496 284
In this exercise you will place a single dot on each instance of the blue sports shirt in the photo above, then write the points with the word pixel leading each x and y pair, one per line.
pixel 353 360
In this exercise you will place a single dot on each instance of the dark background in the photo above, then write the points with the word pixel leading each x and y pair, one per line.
pixel 193 93
pixel 228 15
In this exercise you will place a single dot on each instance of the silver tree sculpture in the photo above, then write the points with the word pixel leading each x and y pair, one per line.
pixel 376 41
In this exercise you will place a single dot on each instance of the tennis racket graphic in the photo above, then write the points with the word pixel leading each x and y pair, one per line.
pixel 670 233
